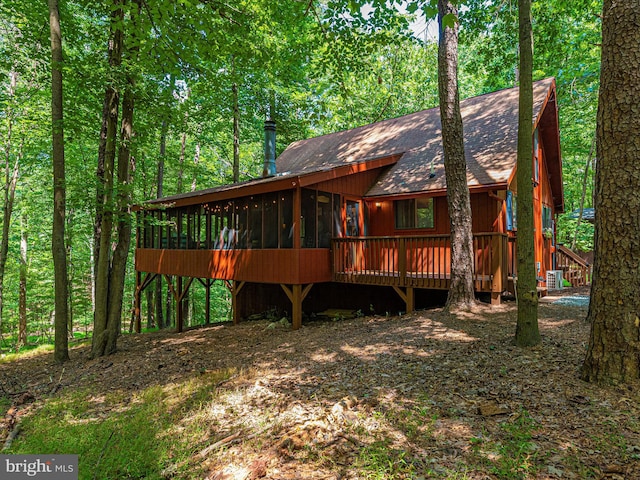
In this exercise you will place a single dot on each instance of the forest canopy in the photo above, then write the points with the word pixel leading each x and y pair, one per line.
pixel 312 66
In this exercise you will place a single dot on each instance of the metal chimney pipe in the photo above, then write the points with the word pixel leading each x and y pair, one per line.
pixel 269 148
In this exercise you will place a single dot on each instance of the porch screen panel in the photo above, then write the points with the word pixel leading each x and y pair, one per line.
pixel 255 222
pixel 286 219
pixel 270 223
pixel 241 207
pixel 337 216
pixel 171 230
pixel 216 222
pixel 308 220
pixel 324 219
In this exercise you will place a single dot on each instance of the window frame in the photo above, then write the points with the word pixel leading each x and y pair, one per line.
pixel 413 204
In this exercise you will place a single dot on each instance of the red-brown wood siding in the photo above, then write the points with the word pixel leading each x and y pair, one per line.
pixel 542 195
pixel 288 266
pixel 485 211
pixel 356 184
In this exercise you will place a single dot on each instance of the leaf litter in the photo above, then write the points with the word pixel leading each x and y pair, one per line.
pixel 425 395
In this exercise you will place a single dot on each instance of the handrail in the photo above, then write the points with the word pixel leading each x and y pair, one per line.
pixel 574 268
pixel 422 261
pixel 573 255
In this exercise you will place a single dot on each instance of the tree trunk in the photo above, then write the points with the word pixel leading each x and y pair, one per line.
pixel 196 161
pixel 10 181
pixel 461 293
pixel 183 145
pixel 236 134
pixel 22 302
pixel 527 333
pixel 61 344
pixel 150 307
pixel 70 271
pixel 168 318
pixel 108 110
pixel 123 207
pixel 613 355
pixel 103 259
pixel 107 327
pixel 160 179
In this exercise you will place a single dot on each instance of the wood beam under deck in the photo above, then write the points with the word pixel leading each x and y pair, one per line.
pixel 140 287
pixel 234 287
pixel 407 296
pixel 296 295
pixel 206 283
pixel 179 293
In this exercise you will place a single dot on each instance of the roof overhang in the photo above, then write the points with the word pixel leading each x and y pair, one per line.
pixel 276 183
pixel 436 192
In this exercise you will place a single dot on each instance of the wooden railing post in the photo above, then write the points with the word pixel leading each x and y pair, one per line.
pixel 402 261
pixel 497 267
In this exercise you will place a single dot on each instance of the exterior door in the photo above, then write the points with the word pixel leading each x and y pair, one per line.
pixel 352 218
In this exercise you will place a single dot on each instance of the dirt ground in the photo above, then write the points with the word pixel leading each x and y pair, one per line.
pixel 334 389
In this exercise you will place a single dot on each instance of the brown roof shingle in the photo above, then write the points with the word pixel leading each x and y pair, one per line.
pixel 490 134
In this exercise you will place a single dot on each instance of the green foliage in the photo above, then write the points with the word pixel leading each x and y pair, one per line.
pixel 515 455
pixel 380 461
pixel 331 65
pixel 105 430
pixel 567 228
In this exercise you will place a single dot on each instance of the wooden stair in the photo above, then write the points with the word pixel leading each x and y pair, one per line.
pixel 574 269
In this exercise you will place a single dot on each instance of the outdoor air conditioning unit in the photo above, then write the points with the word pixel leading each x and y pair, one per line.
pixel 554 279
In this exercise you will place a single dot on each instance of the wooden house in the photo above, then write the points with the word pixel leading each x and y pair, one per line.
pixel 358 218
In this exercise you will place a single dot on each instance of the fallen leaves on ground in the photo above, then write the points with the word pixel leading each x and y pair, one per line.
pixel 419 396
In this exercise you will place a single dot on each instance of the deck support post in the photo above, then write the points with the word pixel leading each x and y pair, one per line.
pixel 408 297
pixel 234 287
pixel 296 295
pixel 498 268
pixel 206 283
pixel 495 298
pixel 178 294
pixel 141 285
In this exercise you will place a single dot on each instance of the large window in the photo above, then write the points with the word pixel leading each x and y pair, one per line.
pixel 414 213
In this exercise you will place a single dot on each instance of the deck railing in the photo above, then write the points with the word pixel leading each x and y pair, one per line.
pixel 418 261
pixel 574 269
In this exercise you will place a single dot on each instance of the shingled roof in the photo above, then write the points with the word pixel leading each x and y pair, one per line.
pixel 490 136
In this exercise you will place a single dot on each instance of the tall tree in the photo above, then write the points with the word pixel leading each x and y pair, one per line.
pixel 613 355
pixel 22 302
pixel 527 333
pixel 461 292
pixel 61 349
pixel 110 274
pixel 9 187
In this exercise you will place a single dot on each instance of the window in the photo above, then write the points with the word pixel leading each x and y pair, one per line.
pixel 512 219
pixel 546 217
pixel 547 223
pixel 414 213
pixel 536 160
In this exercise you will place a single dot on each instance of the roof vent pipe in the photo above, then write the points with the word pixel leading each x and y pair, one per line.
pixel 269 148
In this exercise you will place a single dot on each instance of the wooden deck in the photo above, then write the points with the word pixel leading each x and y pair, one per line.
pixel 283 266
pixel 418 261
pixel 403 263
